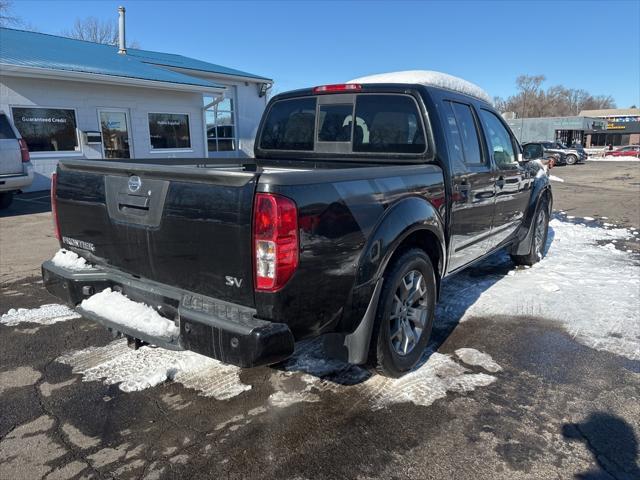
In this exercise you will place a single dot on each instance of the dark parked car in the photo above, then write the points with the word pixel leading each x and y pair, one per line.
pixel 362 198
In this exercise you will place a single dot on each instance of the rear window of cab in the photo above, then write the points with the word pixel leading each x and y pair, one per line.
pixel 384 123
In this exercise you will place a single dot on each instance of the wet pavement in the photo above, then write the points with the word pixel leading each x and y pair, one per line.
pixel 499 396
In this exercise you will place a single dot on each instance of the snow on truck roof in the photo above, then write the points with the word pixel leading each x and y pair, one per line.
pixel 428 78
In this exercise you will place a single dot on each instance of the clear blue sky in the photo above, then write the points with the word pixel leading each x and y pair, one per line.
pixel 594 45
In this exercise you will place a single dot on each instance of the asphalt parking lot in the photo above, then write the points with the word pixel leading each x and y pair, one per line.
pixel 531 373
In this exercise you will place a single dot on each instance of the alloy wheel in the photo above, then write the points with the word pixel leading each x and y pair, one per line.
pixel 409 312
pixel 540 233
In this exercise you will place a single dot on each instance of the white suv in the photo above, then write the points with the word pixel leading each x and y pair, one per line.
pixel 16 171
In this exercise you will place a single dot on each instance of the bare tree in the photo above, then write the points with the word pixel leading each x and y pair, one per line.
pixel 7 19
pixel 95 30
pixel 533 101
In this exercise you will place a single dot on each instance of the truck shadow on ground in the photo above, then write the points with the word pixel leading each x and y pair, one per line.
pixel 462 290
pixel 612 442
pixel 27 204
pixel 458 294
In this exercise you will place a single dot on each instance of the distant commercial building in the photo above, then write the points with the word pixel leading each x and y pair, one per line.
pixel 591 128
pixel 622 127
pixel 79 99
pixel 567 130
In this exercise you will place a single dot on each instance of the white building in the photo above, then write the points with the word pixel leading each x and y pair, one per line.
pixel 73 98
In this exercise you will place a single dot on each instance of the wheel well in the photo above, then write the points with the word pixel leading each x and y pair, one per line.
pixel 429 243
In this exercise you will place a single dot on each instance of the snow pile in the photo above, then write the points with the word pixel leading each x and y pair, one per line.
pixel 147 367
pixel 70 260
pixel 117 308
pixel 429 78
pixel 44 315
pixel 439 375
pixel 592 291
pixel 282 399
pixel 471 356
pixel 611 158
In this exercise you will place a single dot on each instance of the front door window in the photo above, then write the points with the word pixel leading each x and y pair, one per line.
pixel 115 134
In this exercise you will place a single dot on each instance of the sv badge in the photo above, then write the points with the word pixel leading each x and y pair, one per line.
pixel 233 281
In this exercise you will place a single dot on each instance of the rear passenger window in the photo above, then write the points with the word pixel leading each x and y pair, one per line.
pixel 500 142
pixel 334 123
pixel 290 125
pixel 463 134
pixel 6 132
pixel 388 124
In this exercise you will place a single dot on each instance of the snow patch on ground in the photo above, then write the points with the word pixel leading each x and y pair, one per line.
pixel 70 260
pixel 44 315
pixel 140 317
pixel 427 77
pixel 553 178
pixel 432 379
pixel 614 159
pixel 282 399
pixel 471 356
pixel 147 367
pixel 439 375
pixel 592 291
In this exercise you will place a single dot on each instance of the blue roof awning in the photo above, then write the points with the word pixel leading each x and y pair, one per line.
pixel 19 48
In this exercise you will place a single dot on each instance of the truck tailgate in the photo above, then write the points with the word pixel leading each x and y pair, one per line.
pixel 182 226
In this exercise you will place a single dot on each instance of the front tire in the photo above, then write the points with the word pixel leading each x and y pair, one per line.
pixel 572 159
pixel 405 314
pixel 539 241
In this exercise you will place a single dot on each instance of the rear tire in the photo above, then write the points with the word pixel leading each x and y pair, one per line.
pixel 572 159
pixel 539 241
pixel 5 199
pixel 405 314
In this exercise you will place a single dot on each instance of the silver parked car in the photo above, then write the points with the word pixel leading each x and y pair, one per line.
pixel 574 154
pixel 16 171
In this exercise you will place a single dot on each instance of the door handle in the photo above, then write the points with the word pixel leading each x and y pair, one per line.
pixel 500 182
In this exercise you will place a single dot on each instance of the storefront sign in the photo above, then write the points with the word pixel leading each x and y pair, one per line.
pixel 43 119
pixel 169 130
pixel 47 129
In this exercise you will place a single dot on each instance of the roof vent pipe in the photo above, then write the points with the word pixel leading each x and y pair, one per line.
pixel 122 46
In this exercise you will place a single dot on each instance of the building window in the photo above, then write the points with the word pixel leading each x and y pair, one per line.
pixel 221 128
pixel 47 129
pixel 169 131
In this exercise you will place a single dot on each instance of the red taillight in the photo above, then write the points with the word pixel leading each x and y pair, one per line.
pixel 24 151
pixel 54 205
pixel 338 87
pixel 275 241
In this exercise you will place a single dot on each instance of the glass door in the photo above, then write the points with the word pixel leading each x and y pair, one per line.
pixel 115 133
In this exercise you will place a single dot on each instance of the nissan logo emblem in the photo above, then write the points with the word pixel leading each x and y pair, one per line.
pixel 134 183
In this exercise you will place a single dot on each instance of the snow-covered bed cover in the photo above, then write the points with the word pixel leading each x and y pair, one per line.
pixel 117 308
pixel 429 78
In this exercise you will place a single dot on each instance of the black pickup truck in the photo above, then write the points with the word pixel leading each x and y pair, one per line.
pixel 360 200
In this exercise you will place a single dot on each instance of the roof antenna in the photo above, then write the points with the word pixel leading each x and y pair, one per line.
pixel 122 46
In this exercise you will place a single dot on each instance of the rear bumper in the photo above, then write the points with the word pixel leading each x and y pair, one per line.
pixel 214 328
pixel 18 181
